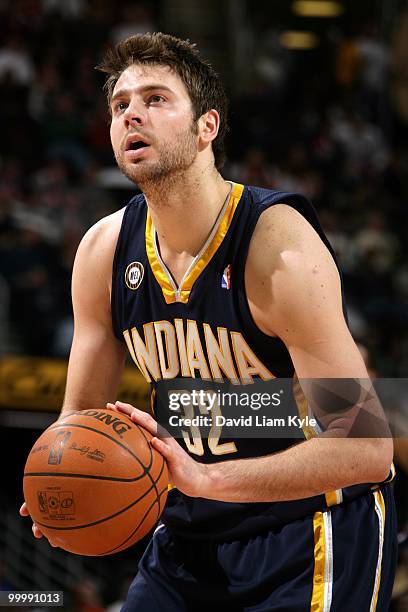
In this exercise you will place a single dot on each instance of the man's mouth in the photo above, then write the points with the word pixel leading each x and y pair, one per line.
pixel 134 146
pixel 134 142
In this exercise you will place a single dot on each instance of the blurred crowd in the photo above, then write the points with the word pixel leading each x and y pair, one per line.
pixel 54 148
pixel 327 123
pixel 330 123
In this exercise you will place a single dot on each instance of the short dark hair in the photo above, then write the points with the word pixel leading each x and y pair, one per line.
pixel 203 85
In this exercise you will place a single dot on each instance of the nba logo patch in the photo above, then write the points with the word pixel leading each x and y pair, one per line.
pixel 226 278
pixel 134 275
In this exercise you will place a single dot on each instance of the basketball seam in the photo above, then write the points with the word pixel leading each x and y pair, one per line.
pixel 107 518
pixel 112 550
pixel 151 460
pixel 92 476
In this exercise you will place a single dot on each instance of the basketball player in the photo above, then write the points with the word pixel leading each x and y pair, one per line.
pixel 214 280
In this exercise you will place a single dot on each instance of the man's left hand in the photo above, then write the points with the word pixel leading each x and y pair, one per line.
pixel 189 476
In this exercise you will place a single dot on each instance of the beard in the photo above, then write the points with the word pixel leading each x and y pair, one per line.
pixel 175 157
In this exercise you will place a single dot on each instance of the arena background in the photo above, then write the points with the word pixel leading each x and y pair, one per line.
pixel 319 104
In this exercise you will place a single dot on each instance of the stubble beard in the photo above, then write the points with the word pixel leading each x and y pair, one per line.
pixel 174 160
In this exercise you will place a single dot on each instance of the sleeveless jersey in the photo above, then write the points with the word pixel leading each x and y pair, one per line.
pixel 204 329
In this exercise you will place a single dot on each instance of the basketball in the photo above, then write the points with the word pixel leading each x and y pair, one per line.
pixel 94 484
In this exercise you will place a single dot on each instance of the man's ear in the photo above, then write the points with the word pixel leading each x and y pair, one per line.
pixel 208 126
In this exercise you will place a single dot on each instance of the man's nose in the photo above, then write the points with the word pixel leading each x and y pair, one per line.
pixel 134 116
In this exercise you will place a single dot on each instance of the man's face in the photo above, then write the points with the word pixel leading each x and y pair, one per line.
pixel 152 130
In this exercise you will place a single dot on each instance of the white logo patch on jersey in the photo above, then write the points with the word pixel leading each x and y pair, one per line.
pixel 134 275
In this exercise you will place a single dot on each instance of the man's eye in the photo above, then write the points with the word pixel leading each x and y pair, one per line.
pixel 120 106
pixel 156 98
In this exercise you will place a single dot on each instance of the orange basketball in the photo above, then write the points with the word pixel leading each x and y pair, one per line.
pixel 94 484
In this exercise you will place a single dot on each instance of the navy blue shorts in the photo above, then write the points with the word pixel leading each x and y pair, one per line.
pixel 342 559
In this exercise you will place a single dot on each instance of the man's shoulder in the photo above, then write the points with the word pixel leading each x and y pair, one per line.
pixel 282 225
pixel 283 233
pixel 109 227
pixel 282 217
pixel 98 245
pixel 265 197
pixel 105 229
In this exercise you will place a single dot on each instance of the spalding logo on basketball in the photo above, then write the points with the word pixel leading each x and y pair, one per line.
pixel 93 482
pixel 134 275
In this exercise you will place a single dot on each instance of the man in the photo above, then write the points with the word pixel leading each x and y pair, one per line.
pixel 214 281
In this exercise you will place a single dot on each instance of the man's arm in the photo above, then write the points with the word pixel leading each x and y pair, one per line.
pixel 293 289
pixel 97 357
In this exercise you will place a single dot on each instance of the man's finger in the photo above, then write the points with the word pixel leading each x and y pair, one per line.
pixel 135 413
pixel 36 531
pixel 140 417
pixel 24 510
pixel 162 447
pixel 125 408
pixel 112 407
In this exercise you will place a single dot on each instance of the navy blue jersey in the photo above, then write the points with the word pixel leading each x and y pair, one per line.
pixel 204 330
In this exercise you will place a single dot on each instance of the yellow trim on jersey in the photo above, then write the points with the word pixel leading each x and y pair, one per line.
pixel 160 275
pixel 380 510
pixel 162 278
pixel 323 562
pixel 333 498
pixel 152 402
pixel 316 604
pixel 393 474
pixel 212 248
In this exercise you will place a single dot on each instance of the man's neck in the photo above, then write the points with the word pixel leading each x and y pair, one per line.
pixel 184 211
